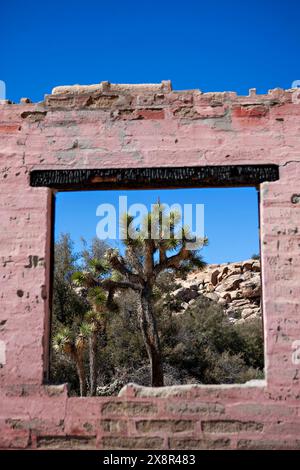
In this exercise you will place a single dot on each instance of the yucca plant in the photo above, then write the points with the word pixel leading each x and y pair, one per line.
pixel 159 244
pixel 73 345
pixel 96 318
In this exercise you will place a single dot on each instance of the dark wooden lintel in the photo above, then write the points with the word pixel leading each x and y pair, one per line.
pixel 206 176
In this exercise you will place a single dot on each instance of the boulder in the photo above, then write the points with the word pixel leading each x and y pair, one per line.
pixel 235 294
pixel 251 288
pixel 251 317
pixel 212 296
pixel 247 275
pixel 247 265
pixel 247 312
pixel 214 277
pixel 240 302
pixel 186 294
pixel 184 305
pixel 235 271
pixel 225 271
pixel 234 286
pixel 256 310
pixel 210 287
pixel 232 313
pixel 226 296
pixel 256 266
pixel 238 265
pixel 230 283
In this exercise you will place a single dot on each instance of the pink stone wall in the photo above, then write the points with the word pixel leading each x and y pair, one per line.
pixel 142 126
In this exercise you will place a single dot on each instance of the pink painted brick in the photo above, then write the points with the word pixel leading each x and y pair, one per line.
pixel 141 128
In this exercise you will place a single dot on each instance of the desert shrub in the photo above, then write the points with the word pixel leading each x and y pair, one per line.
pixel 200 345
pixel 63 370
pixel 251 336
pixel 203 342
pixel 229 368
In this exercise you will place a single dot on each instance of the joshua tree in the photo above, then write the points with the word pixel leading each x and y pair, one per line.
pixel 72 344
pixel 96 318
pixel 159 244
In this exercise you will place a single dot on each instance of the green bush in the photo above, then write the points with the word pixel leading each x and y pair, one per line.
pixel 200 345
pixel 203 342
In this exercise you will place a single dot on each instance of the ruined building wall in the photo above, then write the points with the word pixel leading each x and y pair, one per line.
pixel 123 126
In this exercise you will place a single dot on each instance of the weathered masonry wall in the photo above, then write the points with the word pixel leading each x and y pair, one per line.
pixel 142 126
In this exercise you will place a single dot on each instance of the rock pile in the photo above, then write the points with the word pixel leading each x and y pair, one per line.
pixel 235 286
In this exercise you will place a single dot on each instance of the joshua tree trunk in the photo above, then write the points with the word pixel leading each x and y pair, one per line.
pixel 81 375
pixel 93 349
pixel 150 336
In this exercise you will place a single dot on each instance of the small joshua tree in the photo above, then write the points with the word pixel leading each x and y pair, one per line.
pixel 72 342
pixel 96 318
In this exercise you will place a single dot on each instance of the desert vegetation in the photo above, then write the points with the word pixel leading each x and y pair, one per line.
pixel 116 319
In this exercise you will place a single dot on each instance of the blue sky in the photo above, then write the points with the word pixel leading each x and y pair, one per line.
pixel 214 46
pixel 220 45
pixel 230 216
